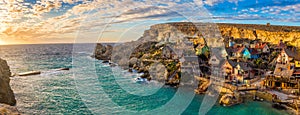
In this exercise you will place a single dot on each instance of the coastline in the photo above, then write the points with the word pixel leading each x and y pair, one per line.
pixel 64 83
pixel 147 51
pixel 247 97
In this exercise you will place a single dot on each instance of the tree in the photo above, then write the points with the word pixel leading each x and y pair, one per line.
pixel 258 62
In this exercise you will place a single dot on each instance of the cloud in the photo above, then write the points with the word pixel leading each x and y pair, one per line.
pixel 32 21
pixel 215 2
pixel 45 7
pixel 286 13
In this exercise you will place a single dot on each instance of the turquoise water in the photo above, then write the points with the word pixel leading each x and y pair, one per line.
pixel 91 87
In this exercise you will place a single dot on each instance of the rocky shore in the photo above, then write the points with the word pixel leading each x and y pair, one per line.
pixel 8 110
pixel 144 59
pixel 7 97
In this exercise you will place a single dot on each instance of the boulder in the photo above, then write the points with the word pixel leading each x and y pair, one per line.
pixel 103 52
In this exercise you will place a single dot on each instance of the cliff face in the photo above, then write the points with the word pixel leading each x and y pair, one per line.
pixel 267 33
pixel 273 34
pixel 180 32
pixel 6 93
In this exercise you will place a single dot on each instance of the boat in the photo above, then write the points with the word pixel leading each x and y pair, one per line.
pixel 29 73
pixel 256 98
pixel 141 80
pixel 63 69
pixel 112 64
pixel 105 61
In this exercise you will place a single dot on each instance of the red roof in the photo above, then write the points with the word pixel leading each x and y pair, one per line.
pixel 239 50
pixel 297 72
pixel 253 51
pixel 260 46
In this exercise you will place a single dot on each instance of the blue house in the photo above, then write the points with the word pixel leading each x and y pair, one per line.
pixel 231 43
pixel 247 53
pixel 254 53
pixel 250 53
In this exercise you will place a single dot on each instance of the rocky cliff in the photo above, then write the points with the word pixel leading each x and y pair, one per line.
pixel 6 93
pixel 267 33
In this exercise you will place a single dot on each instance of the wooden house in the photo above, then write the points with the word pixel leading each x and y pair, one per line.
pixel 238 51
pixel 288 56
pixel 228 69
pixel 243 71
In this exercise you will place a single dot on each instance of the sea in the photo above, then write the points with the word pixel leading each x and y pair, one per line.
pixel 93 87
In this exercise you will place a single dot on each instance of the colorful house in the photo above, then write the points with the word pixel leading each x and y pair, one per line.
pixel 254 53
pixel 238 52
pixel 246 53
pixel 243 71
pixel 228 69
pixel 262 48
pixel 297 64
pixel 202 49
pixel 229 42
pixel 289 56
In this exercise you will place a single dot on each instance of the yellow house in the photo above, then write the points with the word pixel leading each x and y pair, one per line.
pixel 297 63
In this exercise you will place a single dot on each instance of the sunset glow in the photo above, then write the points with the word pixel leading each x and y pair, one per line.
pixel 56 21
pixel 2 42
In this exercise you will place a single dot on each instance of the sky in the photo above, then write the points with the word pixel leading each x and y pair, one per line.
pixel 90 21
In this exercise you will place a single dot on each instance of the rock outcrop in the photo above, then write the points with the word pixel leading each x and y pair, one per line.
pixel 6 93
pixel 230 99
pixel 103 52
